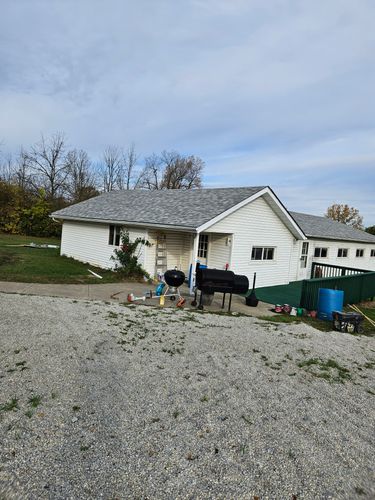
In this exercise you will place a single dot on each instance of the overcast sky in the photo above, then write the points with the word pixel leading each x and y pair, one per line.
pixel 277 92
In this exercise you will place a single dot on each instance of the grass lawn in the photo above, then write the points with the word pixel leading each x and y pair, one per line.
pixel 43 265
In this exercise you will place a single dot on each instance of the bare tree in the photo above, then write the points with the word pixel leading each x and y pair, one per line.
pixel 345 214
pixel 47 161
pixel 22 174
pixel 126 172
pixel 110 168
pixel 151 176
pixel 7 169
pixel 171 170
pixel 80 182
pixel 181 172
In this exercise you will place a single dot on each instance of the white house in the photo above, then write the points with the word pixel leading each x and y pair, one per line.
pixel 247 229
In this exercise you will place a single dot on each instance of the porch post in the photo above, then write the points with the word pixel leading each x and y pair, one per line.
pixel 194 258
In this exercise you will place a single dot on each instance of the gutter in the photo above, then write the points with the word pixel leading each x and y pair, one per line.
pixel 126 222
pixel 343 240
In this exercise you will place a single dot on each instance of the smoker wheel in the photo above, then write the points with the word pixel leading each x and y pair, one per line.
pixel 172 297
pixel 194 303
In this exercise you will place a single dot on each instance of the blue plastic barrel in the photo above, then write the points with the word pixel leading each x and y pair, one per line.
pixel 191 272
pixel 328 301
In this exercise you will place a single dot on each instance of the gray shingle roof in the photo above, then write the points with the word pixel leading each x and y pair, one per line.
pixel 186 209
pixel 321 227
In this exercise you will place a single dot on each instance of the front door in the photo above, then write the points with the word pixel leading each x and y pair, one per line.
pixel 203 249
pixel 302 268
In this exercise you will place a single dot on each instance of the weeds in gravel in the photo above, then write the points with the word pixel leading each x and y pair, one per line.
pixel 11 405
pixel 35 401
pixel 328 369
pixel 112 314
pixel 76 408
pixel 204 398
pixel 243 449
pixel 359 491
pixel 247 420
pixel 29 413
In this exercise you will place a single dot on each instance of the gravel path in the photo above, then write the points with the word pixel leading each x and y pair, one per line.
pixel 106 401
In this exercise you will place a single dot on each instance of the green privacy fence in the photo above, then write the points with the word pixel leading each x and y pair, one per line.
pixel 356 288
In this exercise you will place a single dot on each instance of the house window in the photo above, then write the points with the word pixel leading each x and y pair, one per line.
pixel 359 252
pixel 320 252
pixel 203 246
pixel 342 252
pixel 114 235
pixel 372 253
pixel 262 253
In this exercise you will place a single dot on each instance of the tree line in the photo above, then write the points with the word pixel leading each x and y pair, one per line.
pixel 48 176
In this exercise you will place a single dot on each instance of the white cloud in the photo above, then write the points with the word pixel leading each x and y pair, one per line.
pixel 259 89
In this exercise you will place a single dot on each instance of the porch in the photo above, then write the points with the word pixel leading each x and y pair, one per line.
pixel 182 250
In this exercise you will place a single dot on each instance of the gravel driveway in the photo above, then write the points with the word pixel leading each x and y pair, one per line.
pixel 106 401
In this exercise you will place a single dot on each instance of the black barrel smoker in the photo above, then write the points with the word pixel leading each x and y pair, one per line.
pixel 209 281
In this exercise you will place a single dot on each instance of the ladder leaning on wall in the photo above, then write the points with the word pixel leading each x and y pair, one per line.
pixel 161 255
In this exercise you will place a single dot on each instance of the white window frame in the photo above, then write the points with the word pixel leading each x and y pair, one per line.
pixel 304 254
pixel 361 252
pixel 320 252
pixel 264 251
pixel 342 250
pixel 114 235
pixel 203 246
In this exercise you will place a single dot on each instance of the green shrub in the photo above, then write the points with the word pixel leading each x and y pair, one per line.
pixel 127 256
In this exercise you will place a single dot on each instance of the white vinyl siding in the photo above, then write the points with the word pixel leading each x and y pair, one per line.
pixel 256 224
pixel 88 242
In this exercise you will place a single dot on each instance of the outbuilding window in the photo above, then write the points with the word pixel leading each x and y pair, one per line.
pixel 342 252
pixel 114 235
pixel 373 253
pixel 320 252
pixel 359 252
pixel 262 253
